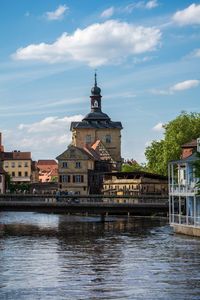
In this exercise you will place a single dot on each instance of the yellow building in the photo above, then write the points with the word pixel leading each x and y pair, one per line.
pixel 18 165
pixel 74 167
pixel 134 183
pixel 97 126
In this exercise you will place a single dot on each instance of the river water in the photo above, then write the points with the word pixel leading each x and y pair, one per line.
pixel 46 256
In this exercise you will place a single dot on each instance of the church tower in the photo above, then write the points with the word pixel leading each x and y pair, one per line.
pixel 97 127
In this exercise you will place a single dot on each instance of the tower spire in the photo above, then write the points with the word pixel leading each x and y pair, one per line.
pixel 95 78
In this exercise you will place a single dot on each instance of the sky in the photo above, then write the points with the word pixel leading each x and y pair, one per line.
pixel 147 56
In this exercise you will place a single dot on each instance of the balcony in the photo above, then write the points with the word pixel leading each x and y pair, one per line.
pixel 183 190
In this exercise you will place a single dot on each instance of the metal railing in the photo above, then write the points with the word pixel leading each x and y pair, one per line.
pixel 86 199
pixel 185 220
pixel 183 189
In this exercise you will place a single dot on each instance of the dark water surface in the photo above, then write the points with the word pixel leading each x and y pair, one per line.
pixel 64 257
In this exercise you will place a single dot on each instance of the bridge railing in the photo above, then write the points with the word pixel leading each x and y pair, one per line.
pixel 79 199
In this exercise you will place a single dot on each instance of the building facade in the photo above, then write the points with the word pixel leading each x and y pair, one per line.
pixel 136 183
pixel 95 148
pixel 184 191
pixel 2 180
pixel 48 170
pixel 17 165
pixel 74 166
pixel 97 126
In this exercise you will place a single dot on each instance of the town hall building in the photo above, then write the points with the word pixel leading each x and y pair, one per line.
pixel 94 150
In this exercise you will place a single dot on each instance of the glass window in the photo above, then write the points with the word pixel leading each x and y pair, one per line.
pixel 6 165
pixel 19 164
pixel 88 139
pixel 108 138
pixel 78 165
pixel 13 174
pixel 78 178
pixel 65 178
pixel 19 174
pixel 25 164
pixel 64 164
pixel 26 174
pixel 13 164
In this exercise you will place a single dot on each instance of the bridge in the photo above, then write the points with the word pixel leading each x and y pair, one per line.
pixel 90 204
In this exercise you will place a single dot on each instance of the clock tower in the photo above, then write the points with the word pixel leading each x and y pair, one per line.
pixel 97 126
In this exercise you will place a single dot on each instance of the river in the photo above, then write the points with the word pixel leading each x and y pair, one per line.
pixel 50 256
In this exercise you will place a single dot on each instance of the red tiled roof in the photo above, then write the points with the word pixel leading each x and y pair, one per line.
pixel 96 144
pixel 15 155
pixel 92 153
pixel 47 162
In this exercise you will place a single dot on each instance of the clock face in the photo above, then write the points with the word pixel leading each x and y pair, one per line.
pixel 95 104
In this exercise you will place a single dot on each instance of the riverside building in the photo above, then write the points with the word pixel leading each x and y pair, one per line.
pixel 184 192
pixel 95 149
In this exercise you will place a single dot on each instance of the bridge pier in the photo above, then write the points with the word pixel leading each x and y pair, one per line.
pixel 102 218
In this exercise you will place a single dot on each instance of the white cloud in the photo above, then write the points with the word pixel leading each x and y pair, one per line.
pixel 180 86
pixel 158 127
pixel 188 16
pixel 58 14
pixel 98 44
pixel 108 12
pixel 185 85
pixel 196 53
pixel 151 4
pixel 49 124
pixel 140 5
pixel 46 138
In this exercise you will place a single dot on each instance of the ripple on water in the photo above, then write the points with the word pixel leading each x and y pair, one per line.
pixel 61 257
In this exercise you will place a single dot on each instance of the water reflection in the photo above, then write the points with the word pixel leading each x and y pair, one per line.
pixel 65 257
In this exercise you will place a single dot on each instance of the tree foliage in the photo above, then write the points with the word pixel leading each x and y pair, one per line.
pixel 181 130
pixel 197 171
pixel 131 167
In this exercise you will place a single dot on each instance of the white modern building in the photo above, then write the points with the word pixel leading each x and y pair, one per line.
pixel 184 193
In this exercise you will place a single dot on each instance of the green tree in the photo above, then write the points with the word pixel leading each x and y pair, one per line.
pixel 126 167
pixel 154 155
pixel 54 179
pixel 197 171
pixel 181 130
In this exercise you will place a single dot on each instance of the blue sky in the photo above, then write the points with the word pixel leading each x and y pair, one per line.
pixel 147 54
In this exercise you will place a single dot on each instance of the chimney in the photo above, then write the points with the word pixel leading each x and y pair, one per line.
pixel 1 146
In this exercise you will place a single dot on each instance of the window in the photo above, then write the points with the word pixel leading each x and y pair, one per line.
pixel 78 178
pixel 26 174
pixel 13 164
pixel 13 174
pixel 65 178
pixel 108 138
pixel 19 164
pixel 64 164
pixel 88 139
pixel 19 174
pixel 26 164
pixel 6 165
pixel 78 165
